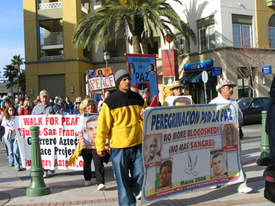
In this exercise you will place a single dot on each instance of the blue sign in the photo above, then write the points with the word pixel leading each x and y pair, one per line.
pixel 216 71
pixel 143 72
pixel 198 65
pixel 266 70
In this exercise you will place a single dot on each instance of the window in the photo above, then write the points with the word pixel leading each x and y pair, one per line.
pixel 242 35
pixel 271 31
pixel 183 45
pixel 242 30
pixel 206 33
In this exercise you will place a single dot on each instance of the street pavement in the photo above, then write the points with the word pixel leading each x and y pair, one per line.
pixel 67 186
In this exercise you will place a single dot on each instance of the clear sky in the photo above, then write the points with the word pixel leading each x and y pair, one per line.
pixel 11 32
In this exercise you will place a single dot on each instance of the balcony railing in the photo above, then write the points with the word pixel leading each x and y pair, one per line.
pixel 52 5
pixel 52 38
pixel 52 57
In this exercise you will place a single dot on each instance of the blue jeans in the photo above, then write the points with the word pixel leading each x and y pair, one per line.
pixel 125 161
pixel 13 151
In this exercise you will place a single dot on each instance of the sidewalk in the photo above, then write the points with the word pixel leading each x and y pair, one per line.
pixel 67 186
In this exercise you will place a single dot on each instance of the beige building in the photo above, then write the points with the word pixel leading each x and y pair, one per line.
pixel 222 27
pixel 52 61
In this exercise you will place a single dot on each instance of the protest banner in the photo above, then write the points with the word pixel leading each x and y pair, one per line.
pixel 189 147
pixel 143 72
pixel 58 139
pixel 101 78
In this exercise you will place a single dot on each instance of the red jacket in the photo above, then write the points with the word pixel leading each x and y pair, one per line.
pixel 25 112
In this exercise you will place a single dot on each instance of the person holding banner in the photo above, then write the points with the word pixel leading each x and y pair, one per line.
pixel 225 88
pixel 88 151
pixel 119 120
pixel 177 88
pixel 44 107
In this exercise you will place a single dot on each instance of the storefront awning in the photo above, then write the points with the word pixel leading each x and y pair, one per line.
pixel 195 77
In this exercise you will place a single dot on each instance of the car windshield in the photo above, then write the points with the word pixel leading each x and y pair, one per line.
pixel 244 102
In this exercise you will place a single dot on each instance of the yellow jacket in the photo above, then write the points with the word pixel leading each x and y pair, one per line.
pixel 119 120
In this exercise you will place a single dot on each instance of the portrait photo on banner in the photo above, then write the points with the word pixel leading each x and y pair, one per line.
pixel 152 152
pixel 219 168
pixel 164 175
pixel 90 125
pixel 230 137
pixel 179 100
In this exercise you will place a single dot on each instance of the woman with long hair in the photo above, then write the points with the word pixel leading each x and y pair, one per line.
pixel 27 108
pixel 89 153
pixel 10 137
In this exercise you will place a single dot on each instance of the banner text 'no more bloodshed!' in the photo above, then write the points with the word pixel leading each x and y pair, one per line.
pixel 189 147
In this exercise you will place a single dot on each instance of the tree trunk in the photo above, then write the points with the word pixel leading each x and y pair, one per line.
pixel 136 44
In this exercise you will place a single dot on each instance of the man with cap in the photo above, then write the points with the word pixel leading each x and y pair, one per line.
pixel 75 110
pixel 44 107
pixel 119 120
pixel 225 88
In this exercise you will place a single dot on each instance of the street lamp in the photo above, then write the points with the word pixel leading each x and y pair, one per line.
pixel 106 56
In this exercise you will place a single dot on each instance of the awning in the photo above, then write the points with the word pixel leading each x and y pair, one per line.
pixel 195 77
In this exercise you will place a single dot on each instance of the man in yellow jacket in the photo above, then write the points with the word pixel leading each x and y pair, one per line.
pixel 119 120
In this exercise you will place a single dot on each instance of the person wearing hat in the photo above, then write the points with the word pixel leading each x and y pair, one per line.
pixel 77 103
pixel 225 88
pixel 44 107
pixel 119 120
pixel 177 88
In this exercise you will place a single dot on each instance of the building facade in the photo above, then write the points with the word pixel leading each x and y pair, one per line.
pixel 227 31
pixel 223 28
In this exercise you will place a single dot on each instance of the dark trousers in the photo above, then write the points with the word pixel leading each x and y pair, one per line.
pixel 269 192
pixel 89 155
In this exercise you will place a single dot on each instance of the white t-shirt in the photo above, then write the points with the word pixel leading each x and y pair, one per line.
pixel 220 99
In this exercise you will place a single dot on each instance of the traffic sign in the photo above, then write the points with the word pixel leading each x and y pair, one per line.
pixel 204 77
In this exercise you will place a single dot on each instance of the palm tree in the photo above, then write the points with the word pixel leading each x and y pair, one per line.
pixel 17 62
pixel 22 82
pixel 143 18
pixel 10 73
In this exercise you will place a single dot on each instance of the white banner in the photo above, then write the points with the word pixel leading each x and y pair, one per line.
pixel 58 140
pixel 189 147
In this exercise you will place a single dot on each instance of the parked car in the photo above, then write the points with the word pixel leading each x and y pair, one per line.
pixel 252 108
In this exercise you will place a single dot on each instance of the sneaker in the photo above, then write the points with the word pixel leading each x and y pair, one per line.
pixel 138 197
pixel 45 175
pixel 245 190
pixel 87 183
pixel 18 169
pixel 11 164
pixel 101 187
